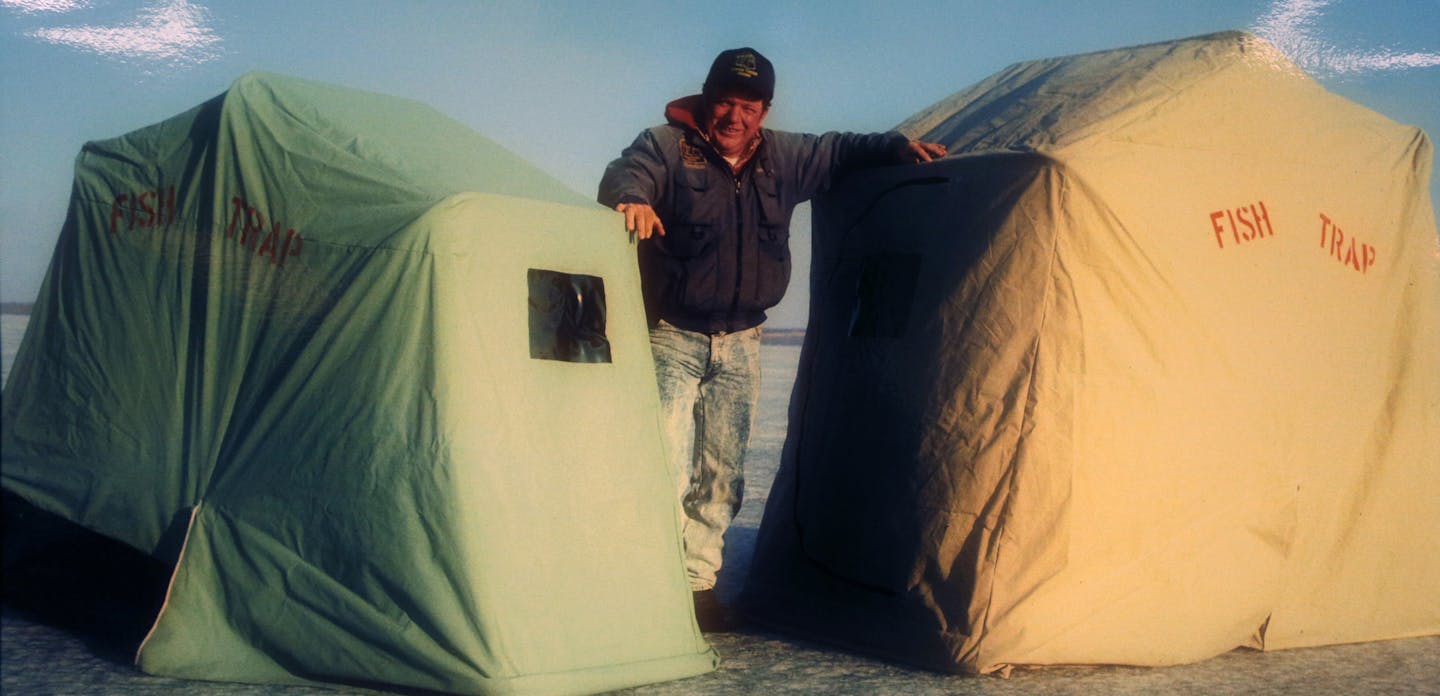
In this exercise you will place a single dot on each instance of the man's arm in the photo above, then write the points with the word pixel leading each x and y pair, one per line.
pixel 916 151
pixel 633 182
pixel 825 157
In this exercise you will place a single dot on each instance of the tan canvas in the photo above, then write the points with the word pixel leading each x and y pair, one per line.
pixel 1145 371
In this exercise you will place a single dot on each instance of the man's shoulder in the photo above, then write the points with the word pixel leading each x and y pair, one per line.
pixel 667 129
pixel 784 143
pixel 773 135
pixel 665 135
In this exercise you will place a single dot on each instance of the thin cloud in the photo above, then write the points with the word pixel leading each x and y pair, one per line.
pixel 1290 26
pixel 45 6
pixel 175 32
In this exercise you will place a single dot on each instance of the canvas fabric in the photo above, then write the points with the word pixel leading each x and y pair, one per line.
pixel 287 340
pixel 1143 372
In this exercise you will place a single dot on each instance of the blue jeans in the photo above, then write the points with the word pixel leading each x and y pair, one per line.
pixel 709 388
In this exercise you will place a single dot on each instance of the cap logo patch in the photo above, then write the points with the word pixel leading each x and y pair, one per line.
pixel 744 65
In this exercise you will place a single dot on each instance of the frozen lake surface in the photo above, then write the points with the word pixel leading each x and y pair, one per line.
pixel 12 328
pixel 36 658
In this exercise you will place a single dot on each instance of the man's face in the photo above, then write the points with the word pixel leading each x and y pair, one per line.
pixel 733 121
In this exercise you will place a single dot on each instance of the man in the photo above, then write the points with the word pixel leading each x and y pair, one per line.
pixel 709 194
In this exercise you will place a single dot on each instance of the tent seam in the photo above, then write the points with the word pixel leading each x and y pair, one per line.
pixel 1026 424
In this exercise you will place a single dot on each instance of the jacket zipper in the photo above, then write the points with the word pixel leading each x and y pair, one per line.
pixel 739 226
pixel 739 246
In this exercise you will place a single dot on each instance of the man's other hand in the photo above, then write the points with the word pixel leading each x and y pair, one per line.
pixel 916 151
pixel 641 220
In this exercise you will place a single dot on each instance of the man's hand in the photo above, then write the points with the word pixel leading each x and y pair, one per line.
pixel 641 220
pixel 916 151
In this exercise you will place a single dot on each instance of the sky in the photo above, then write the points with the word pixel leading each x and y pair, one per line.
pixel 567 84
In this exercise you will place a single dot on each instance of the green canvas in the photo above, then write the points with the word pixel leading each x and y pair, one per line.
pixel 293 339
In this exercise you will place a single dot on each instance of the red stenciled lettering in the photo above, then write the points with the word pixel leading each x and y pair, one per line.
pixel 254 225
pixel 272 240
pixel 1219 231
pixel 1264 215
pixel 115 212
pixel 149 218
pixel 255 237
pixel 1244 223
pixel 1244 220
pixel 1357 255
pixel 291 248
pixel 145 209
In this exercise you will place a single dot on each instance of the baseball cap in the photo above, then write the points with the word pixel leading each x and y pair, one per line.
pixel 744 69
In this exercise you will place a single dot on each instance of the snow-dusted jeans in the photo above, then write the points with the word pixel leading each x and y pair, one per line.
pixel 709 388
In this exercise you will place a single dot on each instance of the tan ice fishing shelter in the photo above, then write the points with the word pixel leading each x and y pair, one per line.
pixel 1146 370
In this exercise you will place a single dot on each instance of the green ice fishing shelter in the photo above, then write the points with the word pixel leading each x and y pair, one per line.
pixel 380 389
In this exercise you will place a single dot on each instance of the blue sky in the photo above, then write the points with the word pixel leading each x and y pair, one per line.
pixel 568 84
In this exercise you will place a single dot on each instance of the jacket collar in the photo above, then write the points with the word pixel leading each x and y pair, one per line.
pixel 685 113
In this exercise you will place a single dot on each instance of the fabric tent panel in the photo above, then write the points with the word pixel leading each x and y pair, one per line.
pixel 1314 341
pixel 345 404
pixel 858 419
pixel 295 491
pixel 580 442
pixel 237 584
pixel 984 254
pixel 1171 479
pixel 1204 92
pixel 521 585
pixel 1292 173
pixel 106 433
pixel 1215 389
pixel 95 327
pixel 1025 578
pixel 1353 581
pixel 373 147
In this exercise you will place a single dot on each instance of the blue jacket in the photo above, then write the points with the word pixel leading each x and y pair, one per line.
pixel 725 255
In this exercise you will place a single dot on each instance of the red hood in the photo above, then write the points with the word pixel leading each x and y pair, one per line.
pixel 685 112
